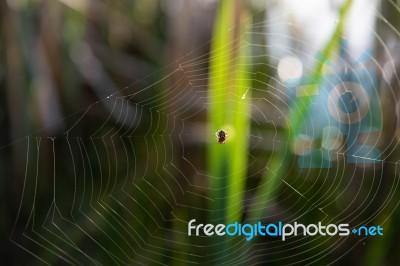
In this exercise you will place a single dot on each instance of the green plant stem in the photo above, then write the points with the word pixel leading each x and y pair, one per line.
pixel 228 110
pixel 277 169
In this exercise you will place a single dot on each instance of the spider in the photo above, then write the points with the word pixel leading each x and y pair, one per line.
pixel 221 136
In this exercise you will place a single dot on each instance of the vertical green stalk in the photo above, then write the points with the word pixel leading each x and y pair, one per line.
pixel 277 170
pixel 217 106
pixel 228 110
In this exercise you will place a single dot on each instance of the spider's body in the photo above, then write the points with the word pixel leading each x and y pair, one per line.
pixel 221 136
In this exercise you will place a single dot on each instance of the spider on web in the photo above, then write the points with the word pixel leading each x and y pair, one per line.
pixel 221 136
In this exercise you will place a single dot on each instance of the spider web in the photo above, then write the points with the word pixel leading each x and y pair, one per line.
pixel 136 180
